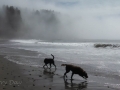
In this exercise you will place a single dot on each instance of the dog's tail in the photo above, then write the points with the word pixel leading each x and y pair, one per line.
pixel 52 56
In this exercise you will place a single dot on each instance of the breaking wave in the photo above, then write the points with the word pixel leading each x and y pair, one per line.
pixel 106 45
pixel 83 44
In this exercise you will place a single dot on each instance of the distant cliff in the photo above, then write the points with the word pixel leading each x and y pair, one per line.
pixel 17 23
pixel 10 19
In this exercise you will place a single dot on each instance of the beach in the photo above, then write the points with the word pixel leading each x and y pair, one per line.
pixel 84 33
pixel 15 76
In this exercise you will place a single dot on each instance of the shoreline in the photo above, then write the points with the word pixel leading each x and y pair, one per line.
pixel 15 76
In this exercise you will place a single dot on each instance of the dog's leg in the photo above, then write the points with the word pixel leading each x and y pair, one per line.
pixel 54 65
pixel 47 65
pixel 50 65
pixel 65 74
pixel 72 75
pixel 71 82
pixel 67 71
pixel 44 66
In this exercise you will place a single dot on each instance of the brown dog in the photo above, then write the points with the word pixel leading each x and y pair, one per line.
pixel 75 70
pixel 49 61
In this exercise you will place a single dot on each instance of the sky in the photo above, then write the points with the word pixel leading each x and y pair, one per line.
pixel 89 19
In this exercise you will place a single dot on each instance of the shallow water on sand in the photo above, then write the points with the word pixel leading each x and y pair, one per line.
pixel 102 62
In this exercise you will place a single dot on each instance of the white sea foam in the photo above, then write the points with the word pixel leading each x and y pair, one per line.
pixel 17 62
pixel 25 41
pixel 34 41
pixel 113 85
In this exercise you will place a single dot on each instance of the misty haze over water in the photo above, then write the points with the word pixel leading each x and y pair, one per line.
pixel 60 20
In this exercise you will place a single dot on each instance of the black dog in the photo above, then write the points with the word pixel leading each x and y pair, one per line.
pixel 49 61
pixel 75 70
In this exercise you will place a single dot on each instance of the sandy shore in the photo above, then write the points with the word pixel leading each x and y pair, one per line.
pixel 22 77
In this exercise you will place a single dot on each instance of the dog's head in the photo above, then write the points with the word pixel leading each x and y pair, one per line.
pixel 85 75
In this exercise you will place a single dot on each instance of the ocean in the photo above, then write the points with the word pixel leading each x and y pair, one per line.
pixel 102 62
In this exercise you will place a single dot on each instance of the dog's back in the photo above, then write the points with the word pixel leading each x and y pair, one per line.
pixel 73 68
pixel 49 60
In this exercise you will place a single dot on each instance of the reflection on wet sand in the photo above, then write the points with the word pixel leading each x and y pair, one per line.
pixel 48 73
pixel 75 86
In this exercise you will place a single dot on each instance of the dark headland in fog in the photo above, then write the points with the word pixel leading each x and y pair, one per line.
pixel 17 23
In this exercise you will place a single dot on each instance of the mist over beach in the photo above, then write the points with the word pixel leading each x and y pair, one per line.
pixel 84 33
pixel 60 20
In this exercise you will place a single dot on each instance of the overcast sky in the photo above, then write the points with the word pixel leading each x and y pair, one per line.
pixel 90 18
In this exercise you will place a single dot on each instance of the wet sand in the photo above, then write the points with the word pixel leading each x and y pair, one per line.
pixel 22 77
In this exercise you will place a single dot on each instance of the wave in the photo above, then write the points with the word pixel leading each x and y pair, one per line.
pixel 43 42
pixel 79 44
pixel 106 45
pixel 25 41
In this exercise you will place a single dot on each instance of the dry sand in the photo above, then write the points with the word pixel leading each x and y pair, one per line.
pixel 22 77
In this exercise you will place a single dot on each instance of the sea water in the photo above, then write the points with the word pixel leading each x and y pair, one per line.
pixel 79 53
pixel 105 61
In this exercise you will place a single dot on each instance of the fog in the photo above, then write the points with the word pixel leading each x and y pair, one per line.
pixel 72 19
